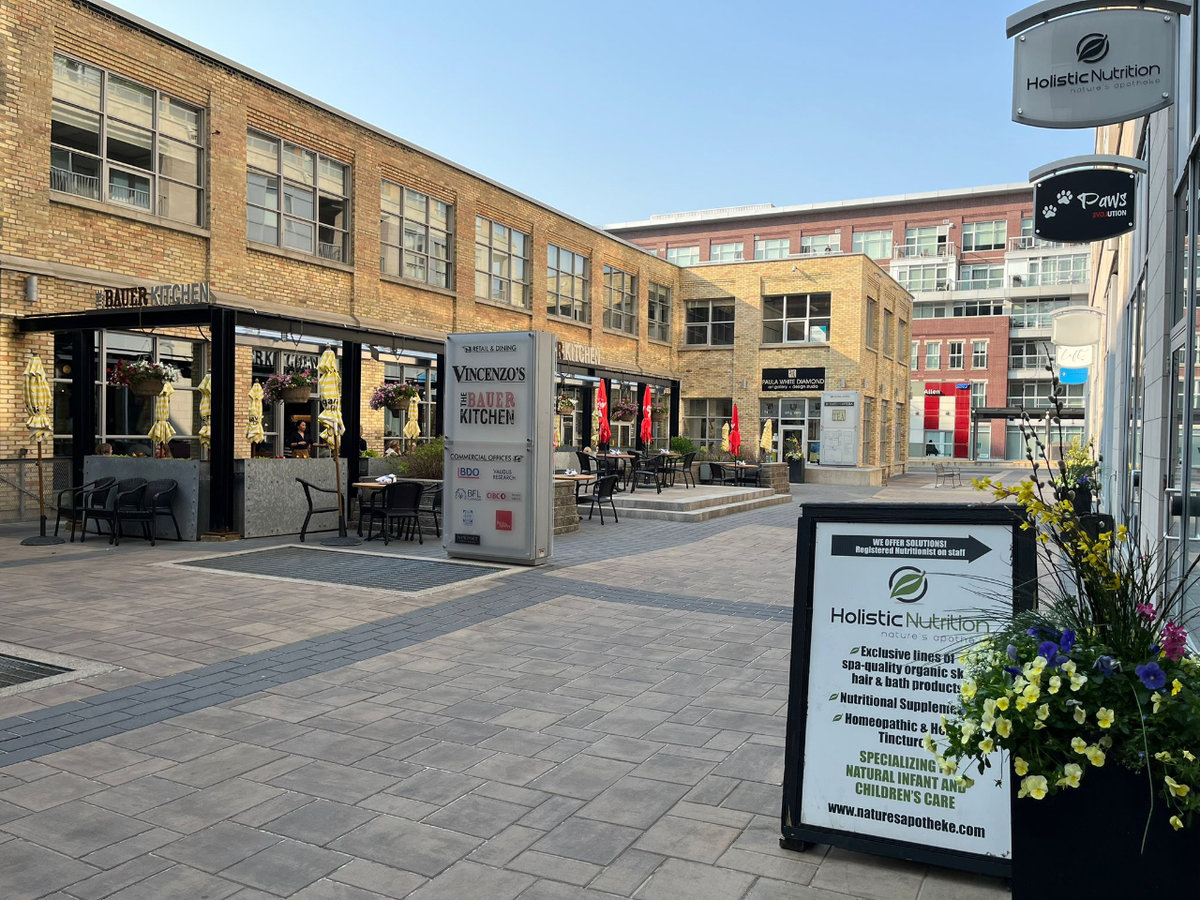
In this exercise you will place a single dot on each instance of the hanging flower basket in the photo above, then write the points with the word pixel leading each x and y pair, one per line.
pixel 147 387
pixel 295 394
pixel 393 395
pixel 624 411
pixel 566 408
pixel 290 387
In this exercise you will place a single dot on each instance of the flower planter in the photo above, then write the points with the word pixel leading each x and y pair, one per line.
pixel 566 409
pixel 623 417
pixel 1094 833
pixel 1082 501
pixel 795 471
pixel 147 387
pixel 295 394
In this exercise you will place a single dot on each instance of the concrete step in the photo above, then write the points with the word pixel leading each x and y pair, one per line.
pixel 683 501
pixel 702 513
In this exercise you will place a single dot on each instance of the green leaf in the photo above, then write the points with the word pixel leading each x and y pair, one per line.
pixel 833 696
pixel 838 717
pixel 907 585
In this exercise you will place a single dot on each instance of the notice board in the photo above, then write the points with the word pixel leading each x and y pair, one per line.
pixel 886 599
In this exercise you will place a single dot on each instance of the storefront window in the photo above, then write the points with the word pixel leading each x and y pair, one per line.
pixel 702 421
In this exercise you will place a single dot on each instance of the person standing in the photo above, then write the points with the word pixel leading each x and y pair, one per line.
pixel 931 449
pixel 298 442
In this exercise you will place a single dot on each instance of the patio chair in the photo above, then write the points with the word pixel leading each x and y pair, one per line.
pixel 401 505
pixel 154 500
pixel 648 471
pixel 431 506
pixel 746 476
pixel 312 495
pixel 684 469
pixel 104 504
pixel 719 473
pixel 602 492
pixel 587 464
pixel 670 469
pixel 73 502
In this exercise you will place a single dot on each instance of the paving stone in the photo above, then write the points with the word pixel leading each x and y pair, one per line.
pixel 435 786
pixel 674 767
pixel 179 883
pixel 380 879
pixel 286 867
pixel 638 802
pixel 482 817
pixel 130 848
pixel 544 865
pixel 687 839
pixel 470 879
pixel 551 812
pixel 332 747
pixel 326 889
pixel 27 870
pixel 509 768
pixel 318 822
pixel 114 879
pixel 206 807
pixel 581 776
pixel 218 847
pixel 753 762
pixel 587 840
pixel 544 889
pixel 869 877
pixel 502 848
pixel 76 828
pixel 47 792
pixel 677 879
pixel 627 872
pixel 411 846
pixel 334 782
pixel 212 768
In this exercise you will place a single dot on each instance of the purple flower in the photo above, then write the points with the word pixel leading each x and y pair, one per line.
pixel 1012 670
pixel 1151 675
pixel 1012 652
pixel 1047 649
pixel 1174 641
pixel 1105 664
pixel 1068 640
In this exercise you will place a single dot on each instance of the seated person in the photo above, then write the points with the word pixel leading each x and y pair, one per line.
pixel 104 449
pixel 393 448
pixel 298 441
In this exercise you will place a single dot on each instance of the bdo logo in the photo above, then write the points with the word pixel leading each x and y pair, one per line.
pixel 467 472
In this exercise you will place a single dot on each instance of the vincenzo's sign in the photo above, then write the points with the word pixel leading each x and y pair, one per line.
pixel 1091 69
pixel 1089 205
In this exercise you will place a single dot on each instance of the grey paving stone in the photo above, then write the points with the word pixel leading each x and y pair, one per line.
pixel 587 840
pixel 467 879
pixel 206 807
pixel 130 848
pixel 678 879
pixel 179 883
pixel 332 747
pixel 121 876
pixel 687 839
pixel 754 762
pixel 380 879
pixel 326 889
pixel 218 847
pixel 543 865
pixel 334 782
pixel 47 792
pixel 638 802
pixel 221 765
pixel 318 822
pixel 870 877
pixel 27 870
pixel 286 867
pixel 627 872
pixel 548 814
pixel 76 828
pixel 509 768
pixel 544 889
pixel 674 767
pixel 435 786
pixel 502 848
pixel 449 756
pixel 482 817
pixel 411 846
pixel 581 776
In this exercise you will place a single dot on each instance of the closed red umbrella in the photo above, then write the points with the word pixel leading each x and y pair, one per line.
pixel 647 424
pixel 605 433
pixel 735 436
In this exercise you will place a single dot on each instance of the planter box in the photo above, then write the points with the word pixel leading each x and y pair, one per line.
pixel 267 501
pixel 795 471
pixel 192 476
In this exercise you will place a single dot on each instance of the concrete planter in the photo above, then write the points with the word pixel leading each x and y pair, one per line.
pixel 267 501
pixel 192 476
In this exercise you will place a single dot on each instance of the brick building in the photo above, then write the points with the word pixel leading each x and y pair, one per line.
pixel 158 200
pixel 984 289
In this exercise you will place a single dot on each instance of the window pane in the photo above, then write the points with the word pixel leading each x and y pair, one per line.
pixel 390 260
pixel 391 197
pixel 130 102
pixel 179 161
pixel 298 235
pixel 262 225
pixel 76 82
pixel 130 146
pixel 179 202
pixel 772 332
pixel 414 204
pixel 795 331
pixel 75 173
pixel 178 120
pixel 772 307
pixel 333 177
pixel 722 333
pixel 262 190
pixel 262 152
pixel 297 201
pixel 75 128
pixel 298 163
pixel 129 188
pixel 331 211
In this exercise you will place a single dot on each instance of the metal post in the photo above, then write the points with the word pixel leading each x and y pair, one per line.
pixel 220 491
pixel 83 400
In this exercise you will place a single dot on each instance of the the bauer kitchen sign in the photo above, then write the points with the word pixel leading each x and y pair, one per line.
pixel 1090 205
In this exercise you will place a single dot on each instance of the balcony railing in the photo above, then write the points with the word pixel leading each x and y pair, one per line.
pixel 921 251
pixel 129 196
pixel 1048 279
pixel 74 183
pixel 1032 242
pixel 329 251
pixel 979 284
pixel 829 250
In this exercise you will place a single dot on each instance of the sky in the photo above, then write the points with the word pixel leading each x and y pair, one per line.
pixel 615 111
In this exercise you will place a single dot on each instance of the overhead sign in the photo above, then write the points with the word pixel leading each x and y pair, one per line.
pixel 1095 68
pixel 1074 357
pixel 1089 205
pixel 886 598
pixel 498 488
pixel 158 295
pixel 812 379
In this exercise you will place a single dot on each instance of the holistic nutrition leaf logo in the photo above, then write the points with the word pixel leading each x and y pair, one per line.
pixel 908 584
pixel 1092 48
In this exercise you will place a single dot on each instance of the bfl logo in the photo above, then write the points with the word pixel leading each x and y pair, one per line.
pixel 1092 48
pixel 908 584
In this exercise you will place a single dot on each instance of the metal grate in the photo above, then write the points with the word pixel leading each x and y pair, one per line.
pixel 368 570
pixel 15 670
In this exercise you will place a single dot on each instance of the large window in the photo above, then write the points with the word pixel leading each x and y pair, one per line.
pixel 930 240
pixel 956 355
pixel 658 312
pixel 1070 269
pixel 978 394
pixel 923 278
pixel 933 355
pixel 119 142
pixel 820 243
pixel 978 277
pixel 620 300
pixel 709 322
pixel 796 318
pixel 889 319
pixel 1028 355
pixel 984 235
pixel 914 354
pixel 979 354
pixel 703 418
pixel 727 252
pixel 875 244
pixel 684 256
pixel 296 198
pixel 567 284
pixel 978 308
pixel 1037 394
pixel 416 233
pixel 501 263
pixel 772 248
pixel 1037 313
pixel 872 323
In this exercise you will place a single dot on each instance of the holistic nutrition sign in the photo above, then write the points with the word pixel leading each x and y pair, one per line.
pixel 887 598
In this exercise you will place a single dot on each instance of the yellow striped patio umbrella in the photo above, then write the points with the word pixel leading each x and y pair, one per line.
pixel 205 390
pixel 254 423
pixel 768 437
pixel 38 401
pixel 412 428
pixel 725 438
pixel 329 391
pixel 162 430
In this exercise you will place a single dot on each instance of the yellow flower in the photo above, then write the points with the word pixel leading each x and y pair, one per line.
pixel 1003 727
pixel 987 722
pixel 1104 717
pixel 1078 744
pixel 1020 766
pixel 989 707
pixel 1163 756
pixel 1043 712
pixel 1055 684
pixel 987 745
pixel 1179 790
pixel 1002 703
pixel 927 742
pixel 1069 667
pixel 1157 699
pixel 1105 741
pixel 1188 756
pixel 1078 681
pixel 969 688
pixel 1175 822
pixel 1031 692
pixel 969 727
pixel 964 782
pixel 1021 703
pixel 1038 726
pixel 1072 772
pixel 1034 786
pixel 1080 715
pixel 1095 756
pixel 1176 687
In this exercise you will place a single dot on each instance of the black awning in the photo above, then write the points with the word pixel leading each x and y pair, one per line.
pixel 1035 415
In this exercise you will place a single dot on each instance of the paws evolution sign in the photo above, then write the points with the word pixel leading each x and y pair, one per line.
pixel 1089 205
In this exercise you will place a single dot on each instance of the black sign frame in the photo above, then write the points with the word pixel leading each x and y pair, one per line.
pixel 797 835
pixel 1085 206
pixel 811 378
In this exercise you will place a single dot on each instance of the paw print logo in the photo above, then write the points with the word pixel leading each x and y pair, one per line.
pixel 1065 197
pixel 1049 212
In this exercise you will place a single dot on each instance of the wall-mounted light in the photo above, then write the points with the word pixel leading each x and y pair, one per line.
pixel 31 291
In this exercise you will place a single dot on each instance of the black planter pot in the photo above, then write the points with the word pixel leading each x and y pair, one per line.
pixel 795 471
pixel 1080 496
pixel 1091 839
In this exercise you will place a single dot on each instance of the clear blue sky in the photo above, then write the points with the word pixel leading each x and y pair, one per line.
pixel 616 110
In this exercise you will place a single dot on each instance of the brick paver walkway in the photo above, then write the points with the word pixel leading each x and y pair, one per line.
pixel 610 725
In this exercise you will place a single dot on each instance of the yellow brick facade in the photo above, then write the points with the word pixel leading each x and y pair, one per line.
pixel 76 245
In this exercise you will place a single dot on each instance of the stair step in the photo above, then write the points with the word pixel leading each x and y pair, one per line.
pixel 702 513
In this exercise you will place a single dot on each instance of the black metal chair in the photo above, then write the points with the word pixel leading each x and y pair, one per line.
pixel 154 500
pixel 312 494
pixel 586 463
pixel 401 505
pixel 431 506
pixel 746 476
pixel 648 471
pixel 105 504
pixel 602 492
pixel 73 502
pixel 684 468
pixel 670 469
pixel 720 474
